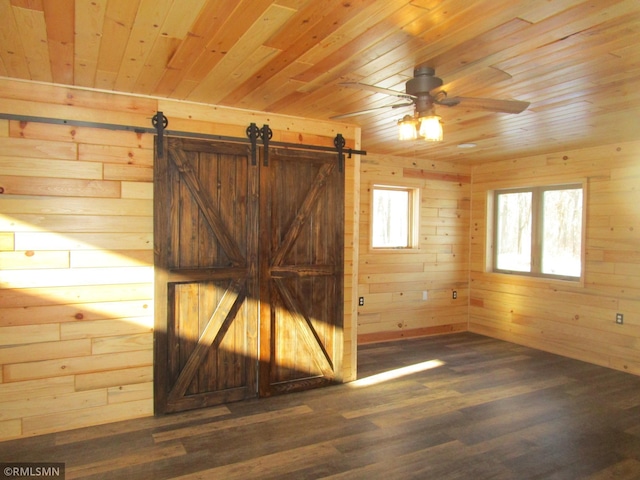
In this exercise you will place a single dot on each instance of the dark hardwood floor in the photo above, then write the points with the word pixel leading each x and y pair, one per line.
pixel 471 408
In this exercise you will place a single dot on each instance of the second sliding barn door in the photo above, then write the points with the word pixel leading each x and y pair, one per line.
pixel 301 271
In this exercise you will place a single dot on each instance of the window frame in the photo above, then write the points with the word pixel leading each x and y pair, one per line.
pixel 537 230
pixel 413 213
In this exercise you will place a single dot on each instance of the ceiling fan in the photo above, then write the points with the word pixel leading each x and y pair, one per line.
pixel 418 93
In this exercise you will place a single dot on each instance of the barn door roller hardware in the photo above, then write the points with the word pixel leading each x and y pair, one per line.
pixel 253 132
pixel 160 123
pixel 265 133
pixel 340 143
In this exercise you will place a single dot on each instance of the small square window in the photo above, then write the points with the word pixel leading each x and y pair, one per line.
pixel 393 217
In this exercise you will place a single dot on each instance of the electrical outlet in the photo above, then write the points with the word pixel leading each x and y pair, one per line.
pixel 425 295
pixel 454 295
pixel 619 318
pixel 361 301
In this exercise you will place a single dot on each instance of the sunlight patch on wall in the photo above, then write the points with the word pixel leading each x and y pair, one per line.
pixel 82 279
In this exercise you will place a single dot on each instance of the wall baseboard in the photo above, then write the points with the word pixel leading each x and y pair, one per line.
pixel 411 333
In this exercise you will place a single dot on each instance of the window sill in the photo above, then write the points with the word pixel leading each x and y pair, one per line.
pixel 518 277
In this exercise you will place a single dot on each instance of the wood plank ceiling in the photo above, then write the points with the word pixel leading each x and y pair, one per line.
pixel 576 61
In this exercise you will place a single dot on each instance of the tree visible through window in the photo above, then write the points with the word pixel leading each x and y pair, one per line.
pixel 392 217
pixel 562 238
pixel 514 231
pixel 538 231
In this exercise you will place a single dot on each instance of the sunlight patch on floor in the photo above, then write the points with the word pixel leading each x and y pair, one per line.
pixel 396 373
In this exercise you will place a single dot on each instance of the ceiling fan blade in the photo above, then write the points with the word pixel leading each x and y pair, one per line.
pixel 369 110
pixel 371 88
pixel 488 104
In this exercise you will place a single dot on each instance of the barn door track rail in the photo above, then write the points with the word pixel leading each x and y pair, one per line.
pixel 159 127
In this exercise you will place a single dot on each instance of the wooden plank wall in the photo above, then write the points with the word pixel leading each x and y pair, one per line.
pixel 76 251
pixel 563 317
pixel 392 282
pixel 76 274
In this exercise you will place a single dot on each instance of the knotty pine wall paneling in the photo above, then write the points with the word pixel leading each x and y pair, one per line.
pixel 392 282
pixel 76 251
pixel 562 317
pixel 76 292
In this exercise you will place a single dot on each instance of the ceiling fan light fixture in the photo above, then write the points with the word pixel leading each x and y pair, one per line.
pixel 407 128
pixel 431 128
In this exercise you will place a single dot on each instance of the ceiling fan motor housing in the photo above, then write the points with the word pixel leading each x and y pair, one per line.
pixel 423 81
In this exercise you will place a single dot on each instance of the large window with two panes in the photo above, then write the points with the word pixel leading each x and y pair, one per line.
pixel 539 231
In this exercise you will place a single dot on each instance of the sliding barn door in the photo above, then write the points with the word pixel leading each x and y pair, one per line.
pixel 301 267
pixel 206 234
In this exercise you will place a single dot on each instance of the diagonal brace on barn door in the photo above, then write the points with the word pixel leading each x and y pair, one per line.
pixel 215 222
pixel 309 335
pixel 215 329
pixel 294 230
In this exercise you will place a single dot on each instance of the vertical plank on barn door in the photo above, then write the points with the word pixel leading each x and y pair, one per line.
pixel 206 235
pixel 301 269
